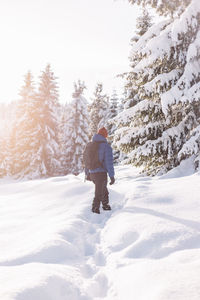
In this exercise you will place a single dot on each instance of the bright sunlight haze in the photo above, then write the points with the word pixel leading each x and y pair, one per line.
pixel 80 39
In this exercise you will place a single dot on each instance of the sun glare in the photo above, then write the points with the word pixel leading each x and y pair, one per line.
pixel 81 39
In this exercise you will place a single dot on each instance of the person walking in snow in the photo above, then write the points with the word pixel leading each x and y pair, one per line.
pixel 102 166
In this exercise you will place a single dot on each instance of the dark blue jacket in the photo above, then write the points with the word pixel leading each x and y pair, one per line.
pixel 105 156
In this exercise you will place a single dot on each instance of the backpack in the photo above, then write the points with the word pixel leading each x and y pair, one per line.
pixel 91 156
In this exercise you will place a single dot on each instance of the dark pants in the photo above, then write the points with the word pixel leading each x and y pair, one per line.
pixel 101 192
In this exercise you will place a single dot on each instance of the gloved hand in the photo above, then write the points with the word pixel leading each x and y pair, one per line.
pixel 112 180
pixel 87 177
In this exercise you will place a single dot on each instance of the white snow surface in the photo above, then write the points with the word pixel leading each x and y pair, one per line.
pixel 52 247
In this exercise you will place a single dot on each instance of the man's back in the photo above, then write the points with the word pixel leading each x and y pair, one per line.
pixel 105 156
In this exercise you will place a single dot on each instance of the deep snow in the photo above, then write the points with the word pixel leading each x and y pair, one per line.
pixel 148 247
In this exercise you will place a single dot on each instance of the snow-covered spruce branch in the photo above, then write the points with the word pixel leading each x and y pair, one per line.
pixel 151 150
pixel 144 107
pixel 192 146
pixel 162 82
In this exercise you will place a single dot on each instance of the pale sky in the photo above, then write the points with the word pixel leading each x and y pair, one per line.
pixel 81 39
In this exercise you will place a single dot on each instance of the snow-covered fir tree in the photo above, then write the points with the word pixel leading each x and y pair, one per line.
pixel 2 156
pixel 98 110
pixel 23 138
pixel 163 128
pixel 114 107
pixel 64 138
pixel 77 126
pixel 2 141
pixel 143 23
pixel 114 102
pixel 120 107
pixel 9 120
pixel 113 111
pixel 49 122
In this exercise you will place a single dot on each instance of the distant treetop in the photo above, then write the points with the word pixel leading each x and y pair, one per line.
pixel 164 7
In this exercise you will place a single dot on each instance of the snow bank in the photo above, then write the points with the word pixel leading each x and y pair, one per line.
pixel 147 247
pixel 40 281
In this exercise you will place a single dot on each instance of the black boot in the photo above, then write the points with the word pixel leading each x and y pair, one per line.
pixel 106 207
pixel 95 210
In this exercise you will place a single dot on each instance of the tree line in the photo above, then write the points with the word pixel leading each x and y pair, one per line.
pixel 40 137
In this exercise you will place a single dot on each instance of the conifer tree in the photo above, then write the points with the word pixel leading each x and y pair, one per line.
pixel 113 111
pixel 10 152
pixel 120 107
pixel 143 23
pixel 2 156
pixel 98 110
pixel 9 136
pixel 161 130
pixel 49 135
pixel 64 139
pixel 76 130
pixel 114 107
pixel 114 102
pixel 2 141
pixel 23 137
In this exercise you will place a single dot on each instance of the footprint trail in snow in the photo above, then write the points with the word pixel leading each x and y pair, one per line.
pixel 54 247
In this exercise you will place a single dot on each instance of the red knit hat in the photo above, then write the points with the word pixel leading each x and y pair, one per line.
pixel 103 132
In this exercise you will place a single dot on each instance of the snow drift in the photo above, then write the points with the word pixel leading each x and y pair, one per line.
pixel 147 247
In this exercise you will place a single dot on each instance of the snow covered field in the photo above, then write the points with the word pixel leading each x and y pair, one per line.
pixel 147 248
